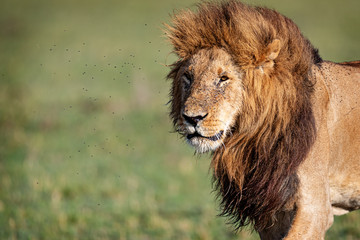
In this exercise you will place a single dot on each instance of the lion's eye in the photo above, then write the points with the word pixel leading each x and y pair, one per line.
pixel 224 78
pixel 187 79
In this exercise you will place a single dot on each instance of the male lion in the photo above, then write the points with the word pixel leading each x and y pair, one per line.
pixel 282 124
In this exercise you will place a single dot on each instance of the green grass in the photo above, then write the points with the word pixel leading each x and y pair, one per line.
pixel 86 149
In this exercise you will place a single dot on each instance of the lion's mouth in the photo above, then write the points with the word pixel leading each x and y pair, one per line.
pixel 212 138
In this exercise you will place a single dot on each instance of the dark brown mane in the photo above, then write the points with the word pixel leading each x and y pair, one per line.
pixel 255 172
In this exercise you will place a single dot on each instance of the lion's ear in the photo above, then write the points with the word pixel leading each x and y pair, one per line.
pixel 273 49
pixel 271 53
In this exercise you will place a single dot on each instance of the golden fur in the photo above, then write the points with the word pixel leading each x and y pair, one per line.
pixel 246 88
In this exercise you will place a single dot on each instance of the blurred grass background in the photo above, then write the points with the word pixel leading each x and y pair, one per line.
pixel 86 149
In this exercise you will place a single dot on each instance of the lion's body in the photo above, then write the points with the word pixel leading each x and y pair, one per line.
pixel 329 176
pixel 282 124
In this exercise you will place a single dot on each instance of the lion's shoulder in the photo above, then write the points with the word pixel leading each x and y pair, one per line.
pixel 342 79
pixel 343 128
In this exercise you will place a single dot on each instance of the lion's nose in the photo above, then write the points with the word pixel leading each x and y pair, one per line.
pixel 193 120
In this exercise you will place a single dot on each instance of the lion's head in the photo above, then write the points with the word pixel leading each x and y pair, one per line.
pixel 210 89
pixel 241 90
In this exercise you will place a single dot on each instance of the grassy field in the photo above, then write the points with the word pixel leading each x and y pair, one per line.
pixel 86 146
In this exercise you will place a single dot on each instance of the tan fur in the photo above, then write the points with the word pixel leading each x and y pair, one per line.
pixel 282 125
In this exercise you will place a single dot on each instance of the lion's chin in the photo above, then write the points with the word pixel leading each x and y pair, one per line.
pixel 204 144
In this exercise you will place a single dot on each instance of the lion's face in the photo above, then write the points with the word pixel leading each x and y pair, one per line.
pixel 210 88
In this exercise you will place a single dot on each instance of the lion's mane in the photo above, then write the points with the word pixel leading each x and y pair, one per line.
pixel 255 171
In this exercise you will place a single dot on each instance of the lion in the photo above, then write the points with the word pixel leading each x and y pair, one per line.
pixel 281 123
